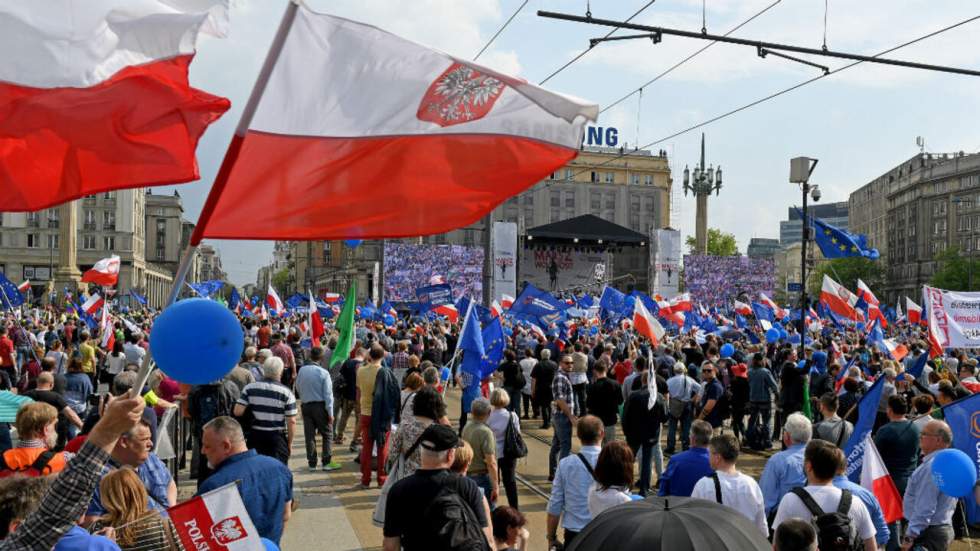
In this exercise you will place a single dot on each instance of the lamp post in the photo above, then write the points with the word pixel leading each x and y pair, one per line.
pixel 701 183
pixel 800 169
pixel 969 259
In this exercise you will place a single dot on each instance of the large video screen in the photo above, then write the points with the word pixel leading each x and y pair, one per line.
pixel 408 267
pixel 717 280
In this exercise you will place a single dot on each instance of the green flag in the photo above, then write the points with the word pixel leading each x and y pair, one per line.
pixel 345 324
pixel 807 409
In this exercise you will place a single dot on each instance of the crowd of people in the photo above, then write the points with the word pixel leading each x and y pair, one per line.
pixel 408 267
pixel 722 279
pixel 78 471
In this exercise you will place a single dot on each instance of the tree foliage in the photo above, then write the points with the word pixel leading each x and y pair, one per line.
pixel 719 243
pixel 953 271
pixel 847 271
pixel 280 280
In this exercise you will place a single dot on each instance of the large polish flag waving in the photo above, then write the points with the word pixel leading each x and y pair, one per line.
pixel 875 477
pixel 105 272
pixel 94 96
pixel 353 132
pixel 838 298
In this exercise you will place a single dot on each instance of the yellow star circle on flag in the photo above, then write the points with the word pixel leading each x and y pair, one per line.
pixel 843 247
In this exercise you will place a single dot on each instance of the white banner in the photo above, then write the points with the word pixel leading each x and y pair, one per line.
pixel 504 259
pixel 563 268
pixel 954 317
pixel 665 262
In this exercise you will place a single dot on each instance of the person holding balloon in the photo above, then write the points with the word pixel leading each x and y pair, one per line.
pixel 927 505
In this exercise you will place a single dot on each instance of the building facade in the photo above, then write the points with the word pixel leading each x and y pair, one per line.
pixel 761 247
pixel 168 234
pixel 109 223
pixel 931 202
pixel 791 229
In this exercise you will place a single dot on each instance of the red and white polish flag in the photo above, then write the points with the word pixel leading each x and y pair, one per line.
pixel 646 324
pixel 391 138
pixel 914 311
pixel 506 301
pixel 875 477
pixel 742 308
pixel 273 300
pixel 105 272
pixel 23 287
pixel 447 310
pixel 93 303
pixel 838 298
pixel 94 96
pixel 496 309
pixel 216 520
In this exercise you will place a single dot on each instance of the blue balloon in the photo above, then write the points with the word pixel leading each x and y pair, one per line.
pixel 353 243
pixel 594 330
pixel 954 473
pixel 389 319
pixel 269 545
pixel 772 335
pixel 196 341
pixel 783 334
pixel 801 364
pixel 508 331
pixel 727 350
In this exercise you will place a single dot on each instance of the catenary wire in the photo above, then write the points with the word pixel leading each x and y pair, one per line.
pixel 500 30
pixel 580 55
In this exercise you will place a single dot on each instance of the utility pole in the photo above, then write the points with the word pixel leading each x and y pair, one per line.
pixel 488 258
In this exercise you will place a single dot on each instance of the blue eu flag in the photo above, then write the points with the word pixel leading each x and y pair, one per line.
pixel 837 243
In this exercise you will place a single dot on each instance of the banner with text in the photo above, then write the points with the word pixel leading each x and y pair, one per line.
pixel 434 295
pixel 504 259
pixel 555 270
pixel 954 317
pixel 665 262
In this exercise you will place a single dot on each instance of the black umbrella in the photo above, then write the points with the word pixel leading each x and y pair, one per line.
pixel 671 524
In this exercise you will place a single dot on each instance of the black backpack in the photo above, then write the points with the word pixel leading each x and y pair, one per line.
pixel 210 401
pixel 833 529
pixel 452 522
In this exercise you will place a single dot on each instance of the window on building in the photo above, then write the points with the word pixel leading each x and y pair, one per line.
pixel 109 220
pixel 33 241
pixel 963 223
pixel 610 201
pixel 569 174
pixel 939 207
pixel 635 179
pixel 52 218
pixel 89 219
pixel 88 242
pixel 109 195
pixel 570 199
pixel 939 227
pixel 555 215
pixel 595 202
pixel 109 242
pixel 965 243
pixel 33 220
pixel 648 179
pixel 594 177
pixel 610 177
pixel 53 241
pixel 555 198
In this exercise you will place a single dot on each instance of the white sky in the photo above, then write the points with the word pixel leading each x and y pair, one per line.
pixel 859 123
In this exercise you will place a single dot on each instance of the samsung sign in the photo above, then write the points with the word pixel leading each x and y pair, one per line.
pixel 603 137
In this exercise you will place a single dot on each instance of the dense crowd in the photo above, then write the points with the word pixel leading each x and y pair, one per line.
pixel 78 469
pixel 722 279
pixel 408 267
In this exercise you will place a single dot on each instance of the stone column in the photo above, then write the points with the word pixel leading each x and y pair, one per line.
pixel 67 273
pixel 701 224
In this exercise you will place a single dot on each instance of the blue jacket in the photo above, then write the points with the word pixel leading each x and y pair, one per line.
pixel 762 385
pixel 387 400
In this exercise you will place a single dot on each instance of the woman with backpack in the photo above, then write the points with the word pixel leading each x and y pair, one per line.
pixel 500 421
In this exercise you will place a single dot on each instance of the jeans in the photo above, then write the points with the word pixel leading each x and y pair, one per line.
pixel 646 452
pixel 508 468
pixel 579 390
pixel 760 412
pixel 5 442
pixel 367 446
pixel 342 410
pixel 515 400
pixel 483 481
pixel 561 442
pixel 315 420
pixel 685 422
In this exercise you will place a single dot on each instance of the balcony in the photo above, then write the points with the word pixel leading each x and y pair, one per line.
pixel 53 224
pixel 109 226
pixel 33 222
pixel 89 225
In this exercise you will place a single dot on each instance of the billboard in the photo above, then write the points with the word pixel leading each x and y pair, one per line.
pixel 718 280
pixel 665 262
pixel 559 269
pixel 504 259
pixel 408 266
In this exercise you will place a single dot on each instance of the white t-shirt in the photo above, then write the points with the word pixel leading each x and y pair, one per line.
pixel 738 491
pixel 600 500
pixel 527 364
pixel 827 497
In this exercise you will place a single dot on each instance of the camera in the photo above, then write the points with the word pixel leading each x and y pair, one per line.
pixel 815 193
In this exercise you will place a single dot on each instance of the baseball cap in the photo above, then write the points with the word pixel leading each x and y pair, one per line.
pixel 439 438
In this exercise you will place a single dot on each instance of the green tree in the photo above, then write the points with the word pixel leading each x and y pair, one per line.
pixel 719 243
pixel 847 271
pixel 954 272
pixel 280 280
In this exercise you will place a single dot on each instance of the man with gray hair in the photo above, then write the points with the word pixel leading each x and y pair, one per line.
pixel 250 364
pixel 483 468
pixel 686 468
pixel 680 407
pixel 928 510
pixel 784 470
pixel 266 485
pixel 273 408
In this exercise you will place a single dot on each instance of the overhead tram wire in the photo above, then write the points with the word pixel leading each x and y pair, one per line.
pixel 500 30
pixel 688 58
pixel 781 92
pixel 580 55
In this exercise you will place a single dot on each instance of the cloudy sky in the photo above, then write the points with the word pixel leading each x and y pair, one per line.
pixel 859 123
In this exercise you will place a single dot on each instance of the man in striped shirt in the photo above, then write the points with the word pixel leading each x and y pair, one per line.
pixel 273 408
